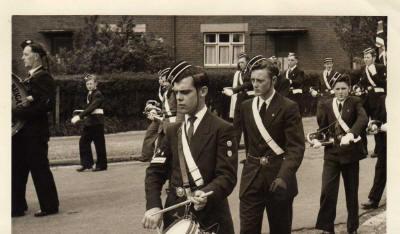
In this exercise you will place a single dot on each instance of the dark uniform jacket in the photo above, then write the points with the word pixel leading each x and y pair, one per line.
pixel 96 100
pixel 321 85
pixel 41 87
pixel 371 101
pixel 282 85
pixel 297 78
pixel 214 150
pixel 242 90
pixel 283 122
pixel 356 119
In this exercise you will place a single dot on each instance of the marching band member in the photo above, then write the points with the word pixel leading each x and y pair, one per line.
pixel 379 183
pixel 274 140
pixel 169 114
pixel 30 144
pixel 93 129
pixel 346 120
pixel 373 81
pixel 296 78
pixel 239 93
pixel 282 85
pixel 196 157
pixel 323 87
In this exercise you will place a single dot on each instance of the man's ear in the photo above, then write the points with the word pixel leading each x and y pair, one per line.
pixel 203 91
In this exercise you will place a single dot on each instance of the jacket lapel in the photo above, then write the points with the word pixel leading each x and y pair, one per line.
pixel 201 136
pixel 271 112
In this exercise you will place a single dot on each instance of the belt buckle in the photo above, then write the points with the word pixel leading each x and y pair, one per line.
pixel 264 161
pixel 180 192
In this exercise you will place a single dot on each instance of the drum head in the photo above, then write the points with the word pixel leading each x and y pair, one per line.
pixel 186 226
pixel 18 98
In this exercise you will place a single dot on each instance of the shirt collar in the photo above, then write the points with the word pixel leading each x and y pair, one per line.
pixel 267 102
pixel 199 115
pixel 33 70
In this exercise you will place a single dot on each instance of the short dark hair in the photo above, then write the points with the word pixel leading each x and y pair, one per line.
pixel 267 65
pixel 343 78
pixel 200 77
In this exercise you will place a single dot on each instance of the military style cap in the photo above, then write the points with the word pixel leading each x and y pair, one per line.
pixel 176 70
pixel 272 57
pixel 328 60
pixel 164 72
pixel 369 50
pixel 36 47
pixel 243 55
pixel 253 61
pixel 337 77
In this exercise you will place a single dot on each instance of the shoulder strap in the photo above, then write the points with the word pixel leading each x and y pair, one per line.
pixel 341 122
pixel 263 131
pixel 371 81
pixel 182 164
pixel 325 73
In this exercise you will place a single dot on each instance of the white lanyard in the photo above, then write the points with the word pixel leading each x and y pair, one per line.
pixel 326 80
pixel 369 77
pixel 339 118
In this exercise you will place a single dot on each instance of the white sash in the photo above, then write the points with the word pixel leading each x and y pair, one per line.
pixel 264 133
pixel 287 73
pixel 236 78
pixel 193 169
pixel 341 122
pixel 369 77
pixel 166 104
pixel 325 73
pixel 160 96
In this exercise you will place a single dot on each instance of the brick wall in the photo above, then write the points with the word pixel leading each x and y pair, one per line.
pixel 320 40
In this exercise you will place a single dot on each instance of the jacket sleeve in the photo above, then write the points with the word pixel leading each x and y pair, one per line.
pixel 157 173
pixel 96 102
pixel 361 120
pixel 295 143
pixel 226 166
pixel 246 86
pixel 43 92
pixel 299 81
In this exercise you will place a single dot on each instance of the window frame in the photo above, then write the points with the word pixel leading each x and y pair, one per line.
pixel 217 44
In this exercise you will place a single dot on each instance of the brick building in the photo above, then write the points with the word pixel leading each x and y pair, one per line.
pixel 209 41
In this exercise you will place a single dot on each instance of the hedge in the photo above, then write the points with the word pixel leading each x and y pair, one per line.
pixel 127 93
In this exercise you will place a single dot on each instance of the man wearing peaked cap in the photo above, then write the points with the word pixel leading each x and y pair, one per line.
pixel 196 156
pixel 322 88
pixel 237 97
pixel 274 141
pixel 30 144
pixel 296 78
pixel 373 80
pixel 346 120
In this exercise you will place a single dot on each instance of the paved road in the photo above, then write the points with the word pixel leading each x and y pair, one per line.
pixel 113 201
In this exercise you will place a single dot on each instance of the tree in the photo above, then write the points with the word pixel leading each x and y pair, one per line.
pixel 104 48
pixel 357 33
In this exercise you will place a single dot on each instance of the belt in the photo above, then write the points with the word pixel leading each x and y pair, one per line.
pixel 98 111
pixel 178 191
pixel 296 91
pixel 263 160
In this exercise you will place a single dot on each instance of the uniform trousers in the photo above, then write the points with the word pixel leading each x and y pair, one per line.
pixel 93 133
pixel 329 194
pixel 29 154
pixel 257 198
pixel 380 169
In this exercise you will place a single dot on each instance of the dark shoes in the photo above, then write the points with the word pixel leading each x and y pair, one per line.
pixel 41 213
pixel 99 169
pixel 82 169
pixel 370 204
pixel 140 159
pixel 326 232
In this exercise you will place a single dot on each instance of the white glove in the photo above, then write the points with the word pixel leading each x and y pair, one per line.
pixel 346 139
pixel 75 119
pixel 227 91
pixel 29 98
pixel 314 93
pixel 151 115
pixel 316 144
pixel 384 127
pixel 198 199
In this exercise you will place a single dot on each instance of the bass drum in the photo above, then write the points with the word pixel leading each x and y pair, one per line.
pixel 186 226
pixel 19 99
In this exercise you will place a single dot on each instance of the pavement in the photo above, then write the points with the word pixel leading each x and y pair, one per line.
pixel 113 201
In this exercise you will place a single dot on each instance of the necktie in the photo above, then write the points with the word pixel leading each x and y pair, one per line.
pixel 340 107
pixel 263 109
pixel 191 127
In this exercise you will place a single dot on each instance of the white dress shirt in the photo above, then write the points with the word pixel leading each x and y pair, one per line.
pixel 267 102
pixel 199 116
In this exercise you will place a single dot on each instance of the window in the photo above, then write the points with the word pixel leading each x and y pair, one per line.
pixel 59 39
pixel 285 43
pixel 222 49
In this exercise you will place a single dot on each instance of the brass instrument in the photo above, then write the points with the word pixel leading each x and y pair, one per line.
pixel 374 127
pixel 321 137
pixel 153 105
